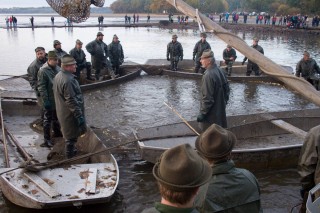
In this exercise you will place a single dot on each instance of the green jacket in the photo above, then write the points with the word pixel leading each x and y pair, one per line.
pixel 258 48
pixel 60 53
pixel 309 161
pixel 169 209
pixel 199 48
pixel 115 53
pixel 99 53
pixel 69 103
pixel 46 75
pixel 230 190
pixel 174 50
pixel 214 96
pixel 307 68
pixel 79 56
pixel 33 74
pixel 228 54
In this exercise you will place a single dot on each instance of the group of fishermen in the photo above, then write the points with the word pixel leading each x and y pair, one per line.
pixel 54 77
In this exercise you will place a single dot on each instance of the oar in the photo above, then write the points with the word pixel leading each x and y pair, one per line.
pixel 180 116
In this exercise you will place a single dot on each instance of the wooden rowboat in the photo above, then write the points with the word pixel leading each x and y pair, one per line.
pixel 265 141
pixel 88 181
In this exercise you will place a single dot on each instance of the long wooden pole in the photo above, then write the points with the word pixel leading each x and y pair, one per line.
pixel 267 65
pixel 5 144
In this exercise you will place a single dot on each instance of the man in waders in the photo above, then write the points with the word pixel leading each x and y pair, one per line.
pixel 174 53
pixel 229 56
pixel 253 66
pixel 198 50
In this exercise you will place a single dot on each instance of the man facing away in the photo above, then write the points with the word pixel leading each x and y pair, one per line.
pixel 307 68
pixel 116 54
pixel 69 104
pixel 198 50
pixel 229 56
pixel 214 93
pixel 179 174
pixel 230 189
pixel 253 66
pixel 46 75
pixel 174 53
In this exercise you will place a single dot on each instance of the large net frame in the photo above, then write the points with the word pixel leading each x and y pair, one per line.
pixel 75 10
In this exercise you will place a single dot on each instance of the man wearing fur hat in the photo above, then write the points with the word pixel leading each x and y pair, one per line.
pixel 70 104
pixel 230 189
pixel 174 53
pixel 179 174
pixel 198 50
pixel 251 66
pixel 46 75
pixel 115 54
pixel 214 93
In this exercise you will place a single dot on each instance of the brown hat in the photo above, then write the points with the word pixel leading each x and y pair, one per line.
pixel 306 53
pixel 255 39
pixel 229 46
pixel 52 54
pixel 39 49
pixel 174 36
pixel 78 41
pixel 67 60
pixel 216 142
pixel 207 54
pixel 204 35
pixel 56 42
pixel 99 34
pixel 181 168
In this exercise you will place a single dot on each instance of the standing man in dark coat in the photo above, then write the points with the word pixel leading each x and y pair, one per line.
pixel 69 104
pixel 253 66
pixel 99 53
pixel 174 52
pixel 198 50
pixel 78 54
pixel 307 68
pixel 59 51
pixel 214 93
pixel 116 54
pixel 46 75
pixel 229 56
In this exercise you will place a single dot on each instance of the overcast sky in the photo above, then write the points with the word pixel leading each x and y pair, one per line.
pixel 33 3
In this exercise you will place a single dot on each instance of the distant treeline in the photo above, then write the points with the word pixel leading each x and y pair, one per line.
pixel 46 10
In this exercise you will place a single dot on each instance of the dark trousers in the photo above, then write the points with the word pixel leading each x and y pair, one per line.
pixel 229 67
pixel 252 67
pixel 174 63
pixel 116 68
pixel 80 67
pixel 50 120
pixel 197 67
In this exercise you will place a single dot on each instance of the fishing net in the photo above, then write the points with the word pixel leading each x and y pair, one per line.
pixel 76 10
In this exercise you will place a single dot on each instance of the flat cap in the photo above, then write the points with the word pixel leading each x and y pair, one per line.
pixel 207 54
pixel 52 54
pixel 306 53
pixel 100 34
pixel 67 60
pixel 56 42
pixel 78 41
pixel 39 49
pixel 174 36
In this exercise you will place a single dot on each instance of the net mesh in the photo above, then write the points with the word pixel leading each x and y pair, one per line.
pixel 76 10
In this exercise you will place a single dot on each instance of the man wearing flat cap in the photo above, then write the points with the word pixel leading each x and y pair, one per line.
pixel 78 54
pixel 116 54
pixel 230 189
pixel 46 75
pixel 174 53
pixel 214 93
pixel 253 66
pixel 99 54
pixel 198 50
pixel 179 174
pixel 229 56
pixel 307 68
pixel 59 51
pixel 70 104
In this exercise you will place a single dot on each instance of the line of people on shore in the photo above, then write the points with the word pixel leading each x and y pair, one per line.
pixel 11 21
pixel 135 17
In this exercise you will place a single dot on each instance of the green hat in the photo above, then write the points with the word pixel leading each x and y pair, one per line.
pixel 99 34
pixel 67 60
pixel 216 142
pixel 78 41
pixel 174 36
pixel 52 54
pixel 207 54
pixel 204 35
pixel 39 49
pixel 306 53
pixel 56 42
pixel 181 168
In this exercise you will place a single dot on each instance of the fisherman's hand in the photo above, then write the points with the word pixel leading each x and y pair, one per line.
pixel 47 104
pixel 168 59
pixel 242 62
pixel 201 118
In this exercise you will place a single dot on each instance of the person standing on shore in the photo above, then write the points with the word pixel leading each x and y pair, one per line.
pixel 70 105
pixel 148 18
pixel 137 18
pixel 245 17
pixel 134 18
pixel 253 66
pixel 229 56
pixel 307 68
pixel 214 93
pixel 280 20
pixel 7 21
pixel 32 20
pixel 14 21
pixel 46 75
pixel 274 20
pixel 116 54
pixel 10 21
pixel 174 52
pixel 52 20
pixel 125 18
pixel 198 50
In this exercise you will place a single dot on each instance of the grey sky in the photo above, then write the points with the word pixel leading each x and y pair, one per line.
pixel 33 3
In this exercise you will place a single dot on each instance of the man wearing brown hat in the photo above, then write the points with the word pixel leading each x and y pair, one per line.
pixel 307 68
pixel 230 189
pixel 60 52
pixel 70 104
pixel 229 56
pixel 198 50
pixel 99 54
pixel 174 53
pixel 46 75
pixel 253 66
pixel 179 174
pixel 78 54
pixel 116 54
pixel 214 93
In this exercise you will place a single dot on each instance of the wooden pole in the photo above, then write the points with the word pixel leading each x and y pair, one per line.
pixel 265 64
pixel 5 144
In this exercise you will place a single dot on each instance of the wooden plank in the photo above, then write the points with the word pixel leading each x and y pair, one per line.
pixel 51 192
pixel 91 181
pixel 290 128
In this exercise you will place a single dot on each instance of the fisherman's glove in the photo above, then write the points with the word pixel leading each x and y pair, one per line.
pixel 201 117
pixel 168 59
pixel 47 104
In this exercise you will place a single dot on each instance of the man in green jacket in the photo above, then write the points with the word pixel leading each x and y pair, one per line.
pixel 116 54
pixel 230 189
pixel 307 68
pixel 174 53
pixel 70 104
pixel 46 75
pixel 229 56
pixel 59 51
pixel 214 93
pixel 198 50
pixel 251 66
pixel 179 173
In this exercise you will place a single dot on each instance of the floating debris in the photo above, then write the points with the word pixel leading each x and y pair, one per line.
pixel 74 197
pixel 48 181
pixel 25 186
pixel 81 190
pixel 34 191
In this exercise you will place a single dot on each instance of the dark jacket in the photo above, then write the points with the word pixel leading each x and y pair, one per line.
pixel 79 56
pixel 229 190
pixel 33 74
pixel 199 48
pixel 60 53
pixel 174 50
pixel 69 103
pixel 258 48
pixel 162 208
pixel 99 53
pixel 46 75
pixel 214 96
pixel 228 54
pixel 307 68
pixel 115 53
